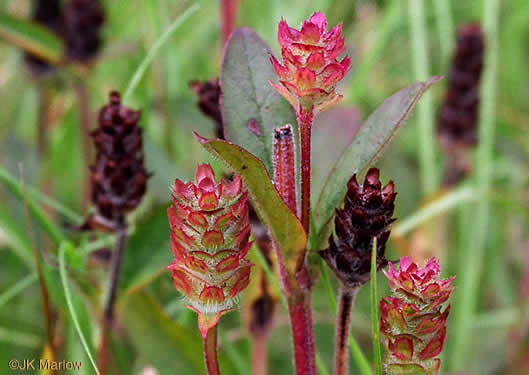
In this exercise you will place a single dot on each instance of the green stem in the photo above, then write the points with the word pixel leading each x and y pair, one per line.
pixel 211 351
pixel 424 108
pixel 445 26
pixel 469 273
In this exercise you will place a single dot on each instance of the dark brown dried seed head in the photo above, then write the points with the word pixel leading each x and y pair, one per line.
pixel 46 13
pixel 458 118
pixel 208 93
pixel 367 214
pixel 83 22
pixel 119 177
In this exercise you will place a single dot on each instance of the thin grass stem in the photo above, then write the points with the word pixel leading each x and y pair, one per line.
pixel 157 45
pixel 68 296
pixel 472 258
pixel 425 115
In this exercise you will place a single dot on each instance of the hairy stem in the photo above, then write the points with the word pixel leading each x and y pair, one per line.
pixel 229 13
pixel 108 314
pixel 211 351
pixel 300 311
pixel 260 355
pixel 343 327
pixel 285 166
pixel 305 125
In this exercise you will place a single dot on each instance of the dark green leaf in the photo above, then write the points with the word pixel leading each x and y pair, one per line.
pixel 284 225
pixel 31 37
pixel 367 145
pixel 251 107
pixel 332 133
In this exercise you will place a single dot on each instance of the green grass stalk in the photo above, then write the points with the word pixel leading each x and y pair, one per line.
pixel 471 264
pixel 425 114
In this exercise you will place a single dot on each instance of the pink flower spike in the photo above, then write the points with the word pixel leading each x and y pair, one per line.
pixel 210 231
pixel 311 49
pixel 421 299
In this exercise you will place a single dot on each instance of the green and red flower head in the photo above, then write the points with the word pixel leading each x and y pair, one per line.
pixel 310 70
pixel 210 231
pixel 413 321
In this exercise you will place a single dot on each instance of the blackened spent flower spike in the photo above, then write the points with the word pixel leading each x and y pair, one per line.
pixel 119 178
pixel 46 13
pixel 83 22
pixel 367 213
pixel 459 114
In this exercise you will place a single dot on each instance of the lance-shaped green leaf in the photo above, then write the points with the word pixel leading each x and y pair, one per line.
pixel 283 223
pixel 374 135
pixel 332 134
pixel 251 107
pixel 32 38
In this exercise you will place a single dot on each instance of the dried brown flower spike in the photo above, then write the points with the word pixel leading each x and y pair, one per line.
pixel 367 213
pixel 208 93
pixel 83 21
pixel 458 118
pixel 47 13
pixel 119 177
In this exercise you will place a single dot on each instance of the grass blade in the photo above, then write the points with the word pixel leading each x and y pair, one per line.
pixel 425 116
pixel 31 37
pixel 444 204
pixel 142 68
pixel 374 310
pixel 17 288
pixel 16 188
pixel 472 260
pixel 67 295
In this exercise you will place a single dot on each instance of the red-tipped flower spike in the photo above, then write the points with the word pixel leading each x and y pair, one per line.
pixel 210 231
pixel 413 321
pixel 310 70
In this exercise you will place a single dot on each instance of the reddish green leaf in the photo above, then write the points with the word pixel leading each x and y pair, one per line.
pixel 284 225
pixel 251 107
pixel 367 145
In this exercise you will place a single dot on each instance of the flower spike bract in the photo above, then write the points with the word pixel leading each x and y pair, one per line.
pixel 210 231
pixel 311 69
pixel 413 320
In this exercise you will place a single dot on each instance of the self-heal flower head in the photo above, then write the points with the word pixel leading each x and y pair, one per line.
pixel 210 231
pixel 311 69
pixel 413 320
pixel 367 214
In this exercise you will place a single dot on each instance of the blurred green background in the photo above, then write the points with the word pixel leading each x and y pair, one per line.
pixel 153 327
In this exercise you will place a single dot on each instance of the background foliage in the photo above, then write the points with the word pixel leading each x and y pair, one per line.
pixel 153 327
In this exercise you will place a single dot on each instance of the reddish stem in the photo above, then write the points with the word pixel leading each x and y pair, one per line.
pixel 285 166
pixel 299 308
pixel 229 11
pixel 343 326
pixel 260 355
pixel 211 352
pixel 305 124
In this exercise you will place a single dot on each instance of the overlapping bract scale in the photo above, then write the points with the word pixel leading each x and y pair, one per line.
pixel 210 232
pixel 311 69
pixel 413 321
